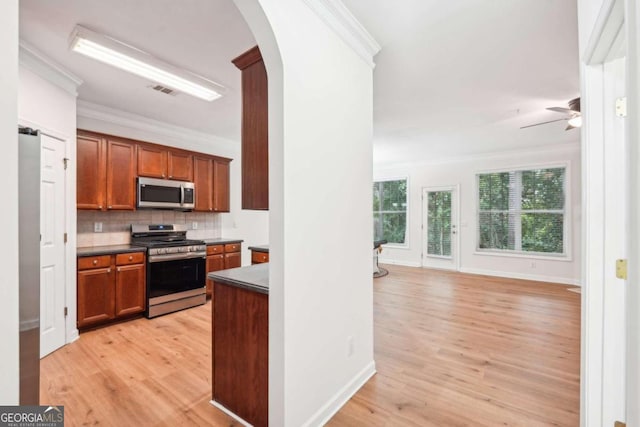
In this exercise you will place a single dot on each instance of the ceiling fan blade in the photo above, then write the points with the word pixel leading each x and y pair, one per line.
pixel 543 123
pixel 560 110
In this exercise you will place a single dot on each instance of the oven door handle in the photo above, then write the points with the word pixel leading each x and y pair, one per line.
pixel 178 256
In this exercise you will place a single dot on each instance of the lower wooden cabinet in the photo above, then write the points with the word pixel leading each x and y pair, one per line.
pixel 259 257
pixel 221 257
pixel 232 260
pixel 110 287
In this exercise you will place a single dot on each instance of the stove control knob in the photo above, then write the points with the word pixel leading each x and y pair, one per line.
pixel 161 251
pixel 183 249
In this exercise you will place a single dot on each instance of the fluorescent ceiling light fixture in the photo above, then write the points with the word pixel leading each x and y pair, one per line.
pixel 113 52
pixel 576 121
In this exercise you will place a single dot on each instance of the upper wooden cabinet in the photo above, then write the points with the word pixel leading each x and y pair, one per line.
pixel 211 179
pixel 159 162
pixel 203 180
pixel 255 130
pixel 108 167
pixel 106 173
pixel 221 202
pixel 91 172
pixel 152 161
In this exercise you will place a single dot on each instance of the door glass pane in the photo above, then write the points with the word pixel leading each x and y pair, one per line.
pixel 439 223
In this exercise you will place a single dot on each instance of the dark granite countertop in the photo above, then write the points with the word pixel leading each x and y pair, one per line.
pixel 253 278
pixel 259 248
pixel 221 241
pixel 108 250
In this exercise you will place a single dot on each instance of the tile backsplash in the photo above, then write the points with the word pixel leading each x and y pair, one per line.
pixel 116 225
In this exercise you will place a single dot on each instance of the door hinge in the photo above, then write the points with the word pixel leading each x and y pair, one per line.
pixel 66 312
pixel 66 237
pixel 621 269
pixel 619 424
pixel 621 107
pixel 66 163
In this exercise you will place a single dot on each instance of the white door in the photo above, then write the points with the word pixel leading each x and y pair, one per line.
pixel 52 250
pixel 440 236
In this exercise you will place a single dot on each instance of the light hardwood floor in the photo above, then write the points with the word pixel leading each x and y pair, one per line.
pixel 451 349
pixel 454 349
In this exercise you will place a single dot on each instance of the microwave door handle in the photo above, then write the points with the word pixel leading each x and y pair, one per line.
pixel 181 195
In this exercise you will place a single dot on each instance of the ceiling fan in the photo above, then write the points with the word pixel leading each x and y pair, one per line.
pixel 574 118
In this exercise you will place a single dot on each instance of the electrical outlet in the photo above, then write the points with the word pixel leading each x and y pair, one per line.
pixel 194 225
pixel 97 227
pixel 349 346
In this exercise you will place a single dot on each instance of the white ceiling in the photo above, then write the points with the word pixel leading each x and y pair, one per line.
pixel 201 36
pixel 458 78
pixel 454 78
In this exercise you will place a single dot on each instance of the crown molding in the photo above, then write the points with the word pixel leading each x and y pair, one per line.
pixel 34 60
pixel 521 153
pixel 181 136
pixel 336 15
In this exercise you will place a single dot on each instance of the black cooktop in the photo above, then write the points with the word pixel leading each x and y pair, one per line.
pixel 166 243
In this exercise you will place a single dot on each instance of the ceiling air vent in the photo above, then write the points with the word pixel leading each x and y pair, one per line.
pixel 165 90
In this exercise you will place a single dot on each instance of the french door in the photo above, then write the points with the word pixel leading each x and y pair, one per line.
pixel 440 234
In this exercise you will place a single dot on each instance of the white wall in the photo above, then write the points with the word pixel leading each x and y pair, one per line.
pixel 9 214
pixel 464 174
pixel 320 200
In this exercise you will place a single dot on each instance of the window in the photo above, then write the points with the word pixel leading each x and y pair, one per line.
pixel 390 211
pixel 522 211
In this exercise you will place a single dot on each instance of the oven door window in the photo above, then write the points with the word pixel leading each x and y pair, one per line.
pixel 169 277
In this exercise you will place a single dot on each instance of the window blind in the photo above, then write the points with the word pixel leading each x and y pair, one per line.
pixel 522 211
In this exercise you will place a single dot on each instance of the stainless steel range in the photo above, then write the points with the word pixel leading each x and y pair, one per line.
pixel 176 267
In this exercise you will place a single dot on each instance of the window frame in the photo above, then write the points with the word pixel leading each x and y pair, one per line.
pixel 566 224
pixel 404 245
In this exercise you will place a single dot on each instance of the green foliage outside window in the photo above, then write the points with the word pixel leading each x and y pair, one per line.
pixel 439 223
pixel 522 210
pixel 390 210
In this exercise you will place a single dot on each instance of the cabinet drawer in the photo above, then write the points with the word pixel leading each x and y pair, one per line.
pixel 232 247
pixel 215 249
pixel 258 257
pixel 132 258
pixel 86 263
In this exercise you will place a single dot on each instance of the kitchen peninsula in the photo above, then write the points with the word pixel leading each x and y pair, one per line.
pixel 240 342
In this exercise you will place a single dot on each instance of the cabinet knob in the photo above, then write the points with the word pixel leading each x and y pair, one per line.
pixel 163 175
pixel 100 207
pixel 131 258
pixel 170 176
pixel 109 271
pixel 95 262
pixel 109 207
pixel 118 269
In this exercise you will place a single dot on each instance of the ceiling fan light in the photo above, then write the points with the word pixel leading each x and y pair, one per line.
pixel 576 122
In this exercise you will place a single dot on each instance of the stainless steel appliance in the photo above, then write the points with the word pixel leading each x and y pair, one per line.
pixel 176 267
pixel 165 194
pixel 29 264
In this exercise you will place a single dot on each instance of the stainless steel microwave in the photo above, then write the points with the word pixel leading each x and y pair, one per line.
pixel 165 194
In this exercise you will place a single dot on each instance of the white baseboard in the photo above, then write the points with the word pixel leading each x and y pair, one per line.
pixel 523 276
pixel 398 262
pixel 329 409
pixel 231 414
pixel 73 335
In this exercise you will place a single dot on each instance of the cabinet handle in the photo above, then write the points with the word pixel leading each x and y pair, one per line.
pixel 109 207
pixel 118 269
pixel 100 207
pixel 109 271
pixel 170 176
pixel 95 262
pixel 163 175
